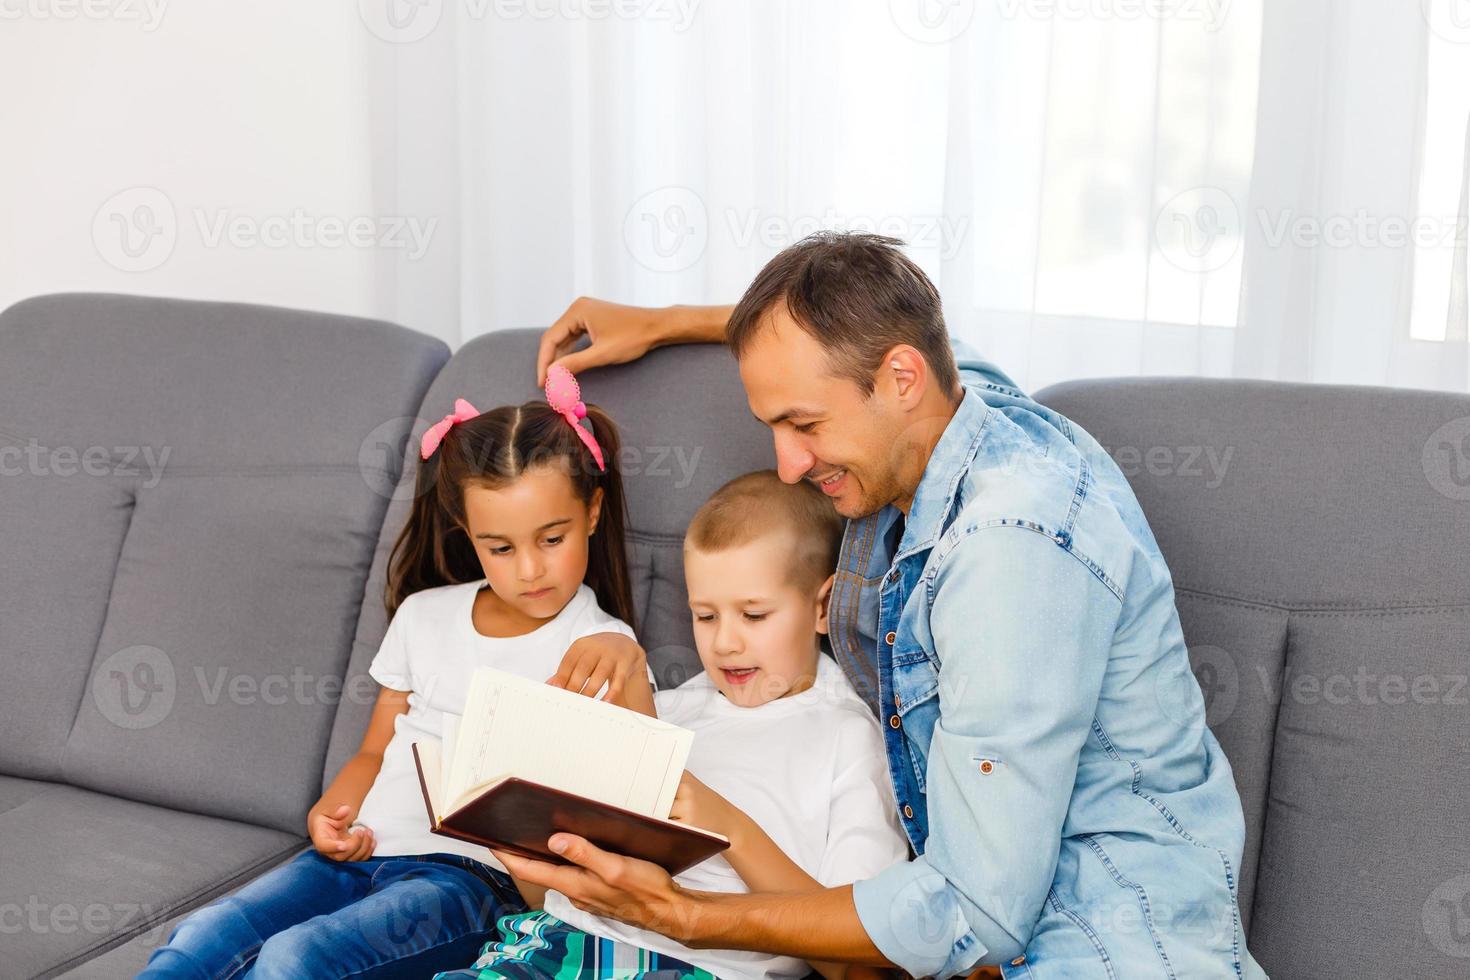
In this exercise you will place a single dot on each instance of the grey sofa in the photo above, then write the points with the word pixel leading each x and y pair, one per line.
pixel 184 638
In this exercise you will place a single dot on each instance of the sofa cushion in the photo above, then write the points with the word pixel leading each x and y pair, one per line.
pixel 1317 535
pixel 686 429
pixel 82 871
pixel 199 492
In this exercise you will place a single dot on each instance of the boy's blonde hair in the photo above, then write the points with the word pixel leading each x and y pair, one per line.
pixel 756 504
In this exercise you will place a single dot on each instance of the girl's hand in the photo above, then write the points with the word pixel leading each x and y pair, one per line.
pixel 333 835
pixel 698 805
pixel 611 658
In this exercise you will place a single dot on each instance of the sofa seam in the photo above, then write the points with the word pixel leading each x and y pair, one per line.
pixel 1324 609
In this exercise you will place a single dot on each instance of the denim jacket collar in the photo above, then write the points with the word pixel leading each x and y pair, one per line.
pixel 949 462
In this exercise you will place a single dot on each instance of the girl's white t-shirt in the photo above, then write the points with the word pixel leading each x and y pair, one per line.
pixel 431 649
pixel 809 769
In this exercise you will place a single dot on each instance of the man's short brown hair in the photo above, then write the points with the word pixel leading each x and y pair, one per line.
pixel 757 504
pixel 858 296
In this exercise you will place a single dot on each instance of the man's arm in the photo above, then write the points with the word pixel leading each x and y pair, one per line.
pixel 815 925
pixel 1023 630
pixel 624 333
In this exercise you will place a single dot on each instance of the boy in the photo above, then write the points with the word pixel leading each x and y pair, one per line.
pixel 787 761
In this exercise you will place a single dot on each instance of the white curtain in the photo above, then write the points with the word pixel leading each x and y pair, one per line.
pixel 1099 187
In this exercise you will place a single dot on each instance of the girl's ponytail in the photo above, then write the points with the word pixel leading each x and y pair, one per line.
pixel 607 554
pixel 432 549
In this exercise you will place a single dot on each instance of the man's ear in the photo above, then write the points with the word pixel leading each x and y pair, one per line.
pixel 824 599
pixel 907 371
pixel 594 511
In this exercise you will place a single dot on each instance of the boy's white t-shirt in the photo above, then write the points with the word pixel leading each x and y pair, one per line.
pixel 809 769
pixel 431 649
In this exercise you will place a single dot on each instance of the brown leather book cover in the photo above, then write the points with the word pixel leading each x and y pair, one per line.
pixel 518 816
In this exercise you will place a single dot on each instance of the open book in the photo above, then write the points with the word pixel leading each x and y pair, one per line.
pixel 527 760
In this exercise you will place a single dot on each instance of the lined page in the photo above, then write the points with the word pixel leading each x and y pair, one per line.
pixel 513 726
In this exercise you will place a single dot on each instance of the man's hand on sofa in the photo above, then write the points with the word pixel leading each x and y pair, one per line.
pixel 333 835
pixel 620 333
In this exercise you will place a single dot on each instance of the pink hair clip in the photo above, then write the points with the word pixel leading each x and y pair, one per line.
pixel 564 396
pixel 463 412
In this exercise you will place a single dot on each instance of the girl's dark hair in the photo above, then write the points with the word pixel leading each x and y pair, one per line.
pixel 491 450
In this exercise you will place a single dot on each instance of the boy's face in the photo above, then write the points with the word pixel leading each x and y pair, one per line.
pixel 756 629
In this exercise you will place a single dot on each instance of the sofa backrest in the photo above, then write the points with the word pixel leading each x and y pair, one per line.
pixel 1319 539
pixel 685 428
pixel 190 494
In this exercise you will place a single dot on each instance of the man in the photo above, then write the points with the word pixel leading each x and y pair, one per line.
pixel 1002 606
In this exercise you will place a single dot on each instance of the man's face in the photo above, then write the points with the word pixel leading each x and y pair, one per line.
pixel 824 428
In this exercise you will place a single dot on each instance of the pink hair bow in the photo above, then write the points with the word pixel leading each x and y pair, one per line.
pixel 564 396
pixel 463 412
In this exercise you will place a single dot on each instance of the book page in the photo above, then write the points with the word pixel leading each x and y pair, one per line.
pixel 513 726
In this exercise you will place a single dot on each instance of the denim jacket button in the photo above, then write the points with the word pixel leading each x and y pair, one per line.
pixel 1018 960
pixel 890 637
pixel 908 811
pixel 894 721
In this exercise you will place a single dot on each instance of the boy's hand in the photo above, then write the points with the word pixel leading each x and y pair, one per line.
pixel 333 835
pixel 602 657
pixel 699 806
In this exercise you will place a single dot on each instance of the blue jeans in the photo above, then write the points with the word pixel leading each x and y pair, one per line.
pixel 386 917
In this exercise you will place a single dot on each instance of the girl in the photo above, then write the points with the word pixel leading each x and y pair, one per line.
pixel 512 557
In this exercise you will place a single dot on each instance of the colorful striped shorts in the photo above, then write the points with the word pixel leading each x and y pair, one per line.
pixel 538 945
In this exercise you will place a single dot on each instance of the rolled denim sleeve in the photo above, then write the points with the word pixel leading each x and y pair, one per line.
pixel 1022 629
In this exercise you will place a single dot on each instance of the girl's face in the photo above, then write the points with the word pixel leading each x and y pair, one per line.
pixel 531 538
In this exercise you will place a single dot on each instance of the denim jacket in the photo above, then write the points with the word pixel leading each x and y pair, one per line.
pixel 1018 640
